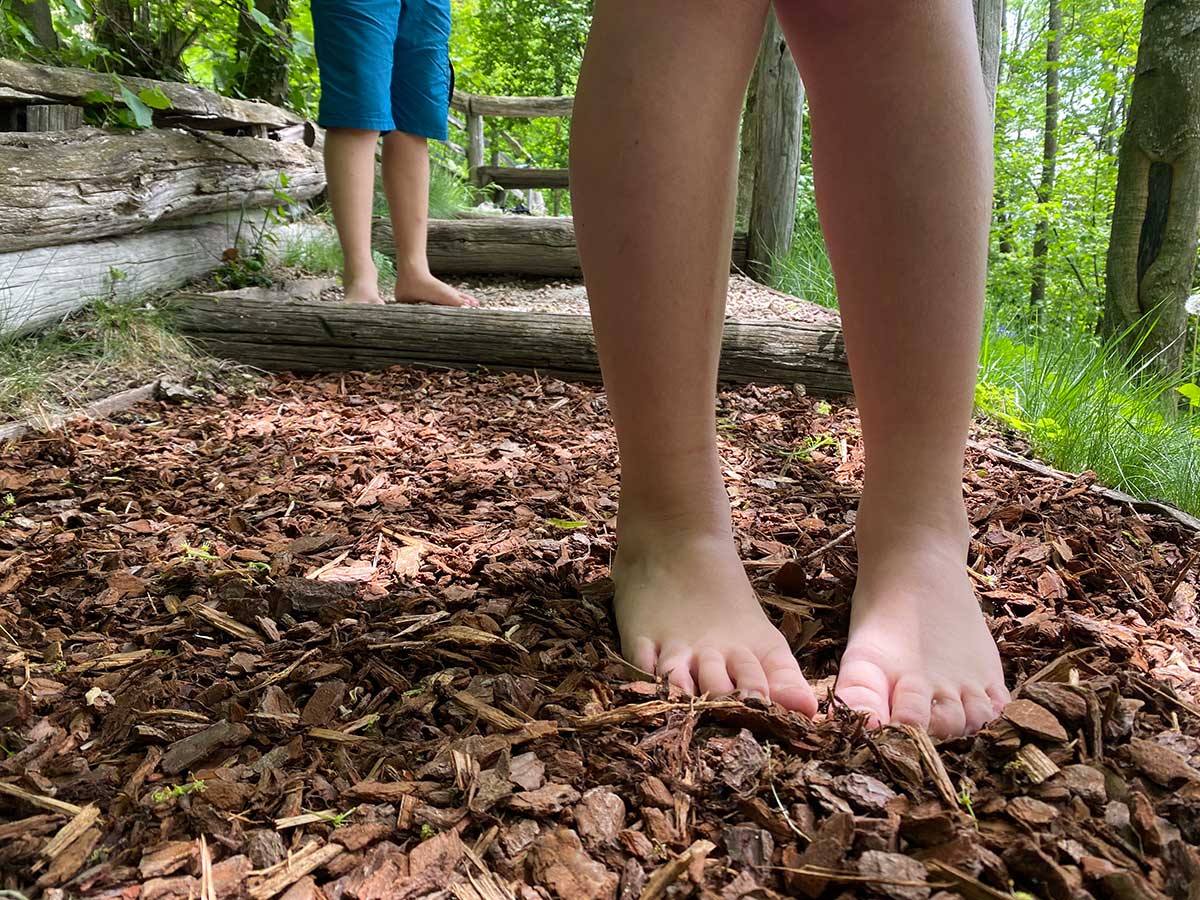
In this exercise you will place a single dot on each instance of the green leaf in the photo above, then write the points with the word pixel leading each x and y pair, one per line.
pixel 1192 392
pixel 96 98
pixel 143 115
pixel 566 524
pixel 154 98
pixel 264 21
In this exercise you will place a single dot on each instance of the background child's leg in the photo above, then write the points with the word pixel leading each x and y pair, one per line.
pixel 350 172
pixel 654 165
pixel 902 157
pixel 406 183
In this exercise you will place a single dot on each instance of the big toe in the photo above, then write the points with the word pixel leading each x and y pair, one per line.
pixel 863 686
pixel 786 684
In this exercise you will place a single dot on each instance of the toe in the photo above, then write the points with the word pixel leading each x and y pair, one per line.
pixel 947 718
pixel 748 676
pixel 643 654
pixel 786 684
pixel 912 701
pixel 1000 698
pixel 978 707
pixel 864 687
pixel 713 672
pixel 677 666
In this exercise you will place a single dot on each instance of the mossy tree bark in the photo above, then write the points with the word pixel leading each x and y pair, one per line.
pixel 1156 218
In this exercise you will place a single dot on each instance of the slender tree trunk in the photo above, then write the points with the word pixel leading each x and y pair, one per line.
pixel 989 26
pixel 264 52
pixel 36 16
pixel 1156 218
pixel 778 119
pixel 1037 288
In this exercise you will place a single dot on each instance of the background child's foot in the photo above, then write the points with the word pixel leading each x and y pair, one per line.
pixel 425 288
pixel 364 290
pixel 919 651
pixel 685 609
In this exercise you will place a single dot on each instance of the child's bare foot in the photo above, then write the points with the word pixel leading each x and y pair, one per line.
pixel 364 290
pixel 919 651
pixel 685 609
pixel 422 287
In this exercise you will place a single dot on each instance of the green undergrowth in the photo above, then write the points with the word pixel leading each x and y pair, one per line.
pixel 107 347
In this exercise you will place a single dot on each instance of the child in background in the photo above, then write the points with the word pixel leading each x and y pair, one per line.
pixel 902 155
pixel 385 69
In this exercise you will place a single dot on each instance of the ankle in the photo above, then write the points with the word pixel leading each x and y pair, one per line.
pixel 412 271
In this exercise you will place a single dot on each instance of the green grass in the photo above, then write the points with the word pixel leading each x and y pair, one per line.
pixel 805 271
pixel 107 347
pixel 1083 405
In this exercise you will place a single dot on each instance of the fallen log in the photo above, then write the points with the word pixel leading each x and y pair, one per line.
pixel 515 178
pixel 91 183
pixel 328 337
pixel 508 245
pixel 190 104
pixel 46 284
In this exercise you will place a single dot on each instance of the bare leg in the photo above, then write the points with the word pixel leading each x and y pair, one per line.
pixel 654 166
pixel 902 153
pixel 406 183
pixel 350 170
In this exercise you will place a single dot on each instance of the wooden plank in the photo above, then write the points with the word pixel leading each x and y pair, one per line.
pixel 41 117
pixel 513 107
pixel 202 108
pixel 91 183
pixel 506 177
pixel 308 336
pixel 508 245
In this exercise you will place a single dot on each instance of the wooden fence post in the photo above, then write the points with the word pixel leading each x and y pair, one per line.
pixel 778 117
pixel 476 146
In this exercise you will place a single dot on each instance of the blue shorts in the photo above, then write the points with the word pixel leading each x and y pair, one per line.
pixel 384 65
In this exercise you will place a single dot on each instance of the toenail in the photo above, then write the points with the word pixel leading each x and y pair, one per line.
pixel 754 695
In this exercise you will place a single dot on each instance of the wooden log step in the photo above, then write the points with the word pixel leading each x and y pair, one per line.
pixel 91 183
pixel 508 245
pixel 308 336
pixel 193 105
pixel 518 178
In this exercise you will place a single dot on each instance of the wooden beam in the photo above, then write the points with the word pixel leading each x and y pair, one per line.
pixel 308 336
pixel 513 107
pixel 508 245
pixel 200 108
pixel 506 177
pixel 777 111
pixel 91 183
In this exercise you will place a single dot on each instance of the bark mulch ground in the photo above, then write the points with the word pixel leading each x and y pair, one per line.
pixel 348 639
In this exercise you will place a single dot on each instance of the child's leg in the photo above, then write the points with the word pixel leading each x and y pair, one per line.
pixel 350 173
pixel 406 183
pixel 654 170
pixel 902 152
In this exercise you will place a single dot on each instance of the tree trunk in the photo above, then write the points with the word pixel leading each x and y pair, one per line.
pixel 36 16
pixel 264 53
pixel 1156 218
pixel 1037 288
pixel 778 112
pixel 989 26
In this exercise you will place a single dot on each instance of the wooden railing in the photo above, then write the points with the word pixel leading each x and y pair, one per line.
pixel 476 107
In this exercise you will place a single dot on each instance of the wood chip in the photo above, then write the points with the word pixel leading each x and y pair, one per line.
pixel 307 861
pixel 1036 720
pixel 40 801
pixel 668 874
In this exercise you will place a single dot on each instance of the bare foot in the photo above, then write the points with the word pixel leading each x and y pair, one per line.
pixel 364 290
pixel 919 651
pixel 685 609
pixel 424 288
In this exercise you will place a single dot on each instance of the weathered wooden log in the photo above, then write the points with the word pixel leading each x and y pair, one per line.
pixel 516 178
pixel 324 337
pixel 508 245
pixel 48 283
pixel 513 107
pixel 190 104
pixel 91 183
